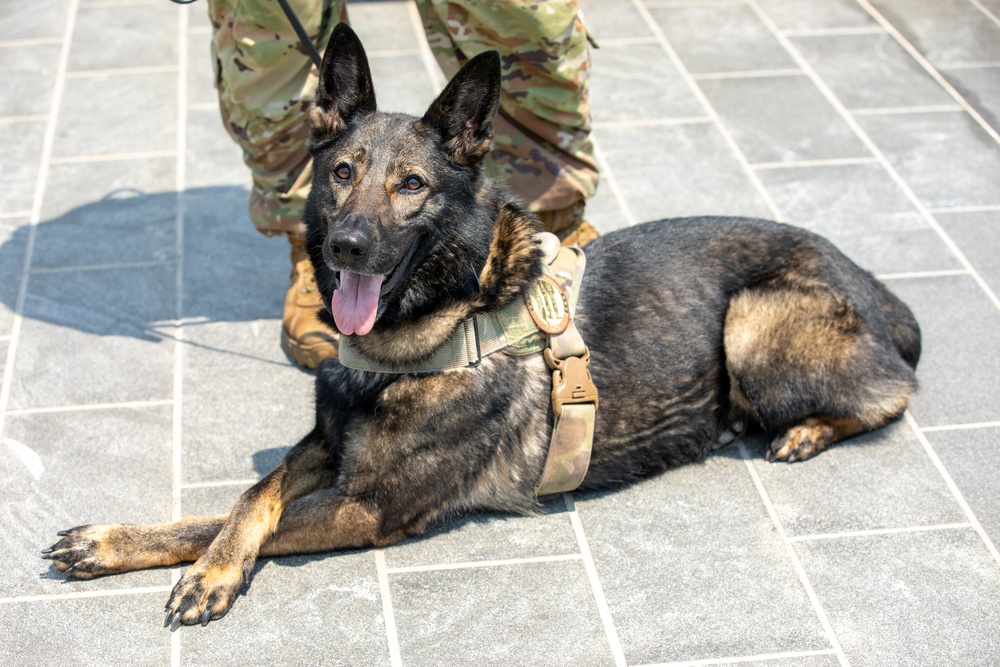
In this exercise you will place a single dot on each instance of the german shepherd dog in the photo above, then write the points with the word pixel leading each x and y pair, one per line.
pixel 696 328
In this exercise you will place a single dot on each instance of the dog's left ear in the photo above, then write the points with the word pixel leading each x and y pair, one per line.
pixel 463 113
pixel 345 85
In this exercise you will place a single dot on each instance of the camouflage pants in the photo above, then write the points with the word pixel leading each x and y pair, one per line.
pixel 541 149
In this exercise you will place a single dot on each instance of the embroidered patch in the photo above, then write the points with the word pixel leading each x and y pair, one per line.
pixel 548 305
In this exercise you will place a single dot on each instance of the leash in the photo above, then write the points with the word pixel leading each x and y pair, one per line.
pixel 296 26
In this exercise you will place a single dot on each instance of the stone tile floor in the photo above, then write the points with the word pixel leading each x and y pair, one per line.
pixel 137 305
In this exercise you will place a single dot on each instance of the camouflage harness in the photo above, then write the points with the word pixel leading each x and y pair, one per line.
pixel 540 323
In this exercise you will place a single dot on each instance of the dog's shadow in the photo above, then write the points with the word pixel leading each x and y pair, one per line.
pixel 110 267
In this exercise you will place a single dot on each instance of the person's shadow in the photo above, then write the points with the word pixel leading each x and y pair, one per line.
pixel 110 267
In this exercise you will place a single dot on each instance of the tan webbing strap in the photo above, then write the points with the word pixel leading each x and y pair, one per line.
pixel 574 396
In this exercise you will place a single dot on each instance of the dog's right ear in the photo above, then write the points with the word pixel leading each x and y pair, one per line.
pixel 345 85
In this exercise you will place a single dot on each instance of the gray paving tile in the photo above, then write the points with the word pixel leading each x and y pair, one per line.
pixel 879 480
pixel 402 84
pixel 65 469
pixel 972 458
pixel 33 20
pixel 978 237
pixel 19 161
pixel 231 271
pixel 73 187
pixel 980 86
pixel 796 660
pixel 509 615
pixel 383 25
pixel 27 79
pixel 675 170
pixel 871 72
pixel 198 19
pixel 13 238
pixel 98 115
pixel 213 158
pixel 143 36
pixel 692 568
pixel 959 369
pixel 200 71
pixel 95 337
pixel 721 38
pixel 928 598
pixel 631 82
pixel 782 119
pixel 603 210
pixel 947 32
pixel 330 610
pixel 613 20
pixel 211 500
pixel 244 403
pixel 487 537
pixel 862 210
pixel 89 631
pixel 922 146
pixel 816 14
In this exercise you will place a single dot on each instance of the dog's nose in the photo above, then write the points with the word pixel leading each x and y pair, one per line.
pixel 350 244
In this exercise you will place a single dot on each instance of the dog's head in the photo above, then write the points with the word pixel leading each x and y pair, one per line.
pixel 395 221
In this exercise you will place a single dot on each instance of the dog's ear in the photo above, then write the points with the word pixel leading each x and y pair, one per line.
pixel 345 85
pixel 463 113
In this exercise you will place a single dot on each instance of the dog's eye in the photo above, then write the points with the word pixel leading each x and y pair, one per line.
pixel 413 183
pixel 342 172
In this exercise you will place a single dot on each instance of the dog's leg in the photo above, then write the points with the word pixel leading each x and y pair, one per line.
pixel 91 551
pixel 208 588
pixel 809 438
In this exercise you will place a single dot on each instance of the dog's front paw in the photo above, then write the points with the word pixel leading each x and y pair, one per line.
pixel 89 551
pixel 205 593
pixel 800 442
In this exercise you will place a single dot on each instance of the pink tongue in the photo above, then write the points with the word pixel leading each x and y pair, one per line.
pixel 355 302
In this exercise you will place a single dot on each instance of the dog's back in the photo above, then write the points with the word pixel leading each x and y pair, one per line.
pixel 698 324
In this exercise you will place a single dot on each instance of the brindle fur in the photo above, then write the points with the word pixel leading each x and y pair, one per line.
pixel 696 327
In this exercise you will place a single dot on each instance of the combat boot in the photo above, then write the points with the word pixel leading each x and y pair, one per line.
pixel 306 339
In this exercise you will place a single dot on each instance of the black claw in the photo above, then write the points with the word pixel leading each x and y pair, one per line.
pixel 175 622
pixel 63 533
pixel 48 551
pixel 69 570
pixel 166 620
pixel 206 616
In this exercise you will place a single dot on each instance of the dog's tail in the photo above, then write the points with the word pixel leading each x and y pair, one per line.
pixel 903 327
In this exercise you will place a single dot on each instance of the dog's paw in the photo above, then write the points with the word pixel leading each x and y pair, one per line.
pixel 800 442
pixel 89 551
pixel 730 434
pixel 205 593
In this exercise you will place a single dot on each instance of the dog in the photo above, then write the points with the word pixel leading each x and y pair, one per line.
pixel 696 328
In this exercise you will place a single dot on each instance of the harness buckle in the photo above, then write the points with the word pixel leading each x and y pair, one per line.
pixel 571 381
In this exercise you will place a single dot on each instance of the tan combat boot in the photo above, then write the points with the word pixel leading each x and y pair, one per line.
pixel 306 340
pixel 568 224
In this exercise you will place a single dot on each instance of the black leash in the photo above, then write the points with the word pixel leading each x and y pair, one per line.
pixel 296 25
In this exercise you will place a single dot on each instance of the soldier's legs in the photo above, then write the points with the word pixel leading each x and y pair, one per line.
pixel 542 150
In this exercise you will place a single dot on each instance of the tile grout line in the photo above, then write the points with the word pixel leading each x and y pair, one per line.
pixel 392 637
pixel 102 593
pixel 112 157
pixel 748 74
pixel 603 609
pixel 120 71
pixel 36 211
pixel 469 565
pixel 793 555
pixel 807 164
pixel 923 274
pixel 955 491
pixel 35 41
pixel 709 109
pixel 608 176
pixel 649 122
pixel 35 118
pixel 960 427
pixel 833 32
pixel 989 14
pixel 966 209
pixel 743 659
pixel 879 531
pixel 901 111
pixel 92 406
pixel 927 66
pixel 103 267
pixel 176 476
pixel 874 149
pixel 434 72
